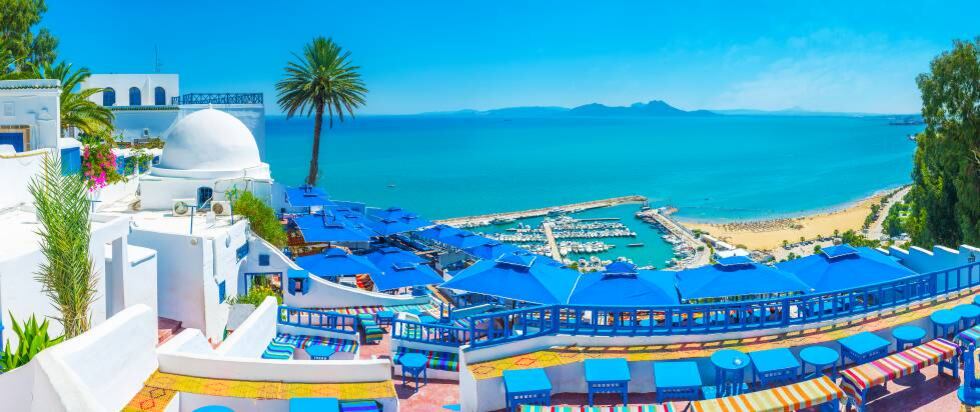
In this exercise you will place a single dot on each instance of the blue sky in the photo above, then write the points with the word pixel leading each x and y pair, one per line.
pixel 419 56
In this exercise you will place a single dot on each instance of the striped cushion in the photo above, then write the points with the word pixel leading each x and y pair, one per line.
pixel 360 406
pixel 277 351
pixel 445 361
pixel 304 341
pixel 629 408
pixel 790 397
pixel 859 378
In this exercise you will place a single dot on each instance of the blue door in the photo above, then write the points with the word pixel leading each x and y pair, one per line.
pixel 204 196
pixel 15 139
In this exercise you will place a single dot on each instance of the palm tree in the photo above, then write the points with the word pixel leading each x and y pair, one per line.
pixel 322 79
pixel 76 108
pixel 68 276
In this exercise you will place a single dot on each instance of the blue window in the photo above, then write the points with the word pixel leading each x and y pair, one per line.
pixel 204 195
pixel 135 98
pixel 15 139
pixel 108 97
pixel 263 260
pixel 221 292
pixel 159 96
pixel 71 161
pixel 242 251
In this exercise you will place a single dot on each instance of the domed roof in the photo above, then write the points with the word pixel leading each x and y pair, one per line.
pixel 212 140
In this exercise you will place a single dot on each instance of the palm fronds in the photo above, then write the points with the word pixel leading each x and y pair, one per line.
pixel 76 108
pixel 68 276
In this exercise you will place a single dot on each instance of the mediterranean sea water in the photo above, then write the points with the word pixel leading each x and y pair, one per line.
pixel 710 168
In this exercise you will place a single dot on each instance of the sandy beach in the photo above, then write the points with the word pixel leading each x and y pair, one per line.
pixel 770 233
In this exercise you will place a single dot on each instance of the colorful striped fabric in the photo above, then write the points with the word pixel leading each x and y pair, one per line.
pixel 629 408
pixel 445 361
pixel 303 341
pixel 360 406
pixel 969 337
pixel 856 380
pixel 356 310
pixel 372 332
pixel 278 351
pixel 791 397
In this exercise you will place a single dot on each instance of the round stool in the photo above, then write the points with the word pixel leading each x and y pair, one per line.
pixel 820 357
pixel 907 335
pixel 214 408
pixel 730 367
pixel 944 322
pixel 969 313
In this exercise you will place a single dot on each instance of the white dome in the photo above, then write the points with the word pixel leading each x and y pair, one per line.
pixel 209 140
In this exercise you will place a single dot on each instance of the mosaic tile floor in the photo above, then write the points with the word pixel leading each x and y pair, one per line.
pixel 563 355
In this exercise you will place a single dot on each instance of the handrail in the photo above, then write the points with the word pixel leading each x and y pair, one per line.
pixel 688 319
pixel 319 320
pixel 218 98
pixel 433 333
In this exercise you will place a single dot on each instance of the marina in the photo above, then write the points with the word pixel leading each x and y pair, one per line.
pixel 510 217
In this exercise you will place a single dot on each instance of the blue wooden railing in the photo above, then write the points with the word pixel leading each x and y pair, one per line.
pixel 217 98
pixel 693 319
pixel 319 320
pixel 434 333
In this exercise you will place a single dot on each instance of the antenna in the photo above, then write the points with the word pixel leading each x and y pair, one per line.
pixel 156 59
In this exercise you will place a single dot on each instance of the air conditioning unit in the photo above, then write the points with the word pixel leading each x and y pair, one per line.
pixel 221 207
pixel 182 207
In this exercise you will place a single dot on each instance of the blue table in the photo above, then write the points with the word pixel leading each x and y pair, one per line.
pixel 969 314
pixel 414 364
pixel 677 380
pixel 862 348
pixel 607 376
pixel 214 408
pixel 821 357
pixel 944 323
pixel 774 365
pixel 907 335
pixel 730 367
pixel 314 405
pixel 526 387
pixel 320 352
pixel 385 317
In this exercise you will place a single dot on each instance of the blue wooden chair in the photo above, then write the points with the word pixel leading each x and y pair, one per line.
pixel 969 392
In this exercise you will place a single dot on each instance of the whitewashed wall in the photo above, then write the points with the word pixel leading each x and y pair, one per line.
pixel 939 258
pixel 146 83
pixel 16 170
pixel 325 294
pixel 252 337
pixel 33 103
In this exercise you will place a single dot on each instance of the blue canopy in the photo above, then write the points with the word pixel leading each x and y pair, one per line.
pixel 386 256
pixel 465 240
pixel 388 227
pixel 336 262
pixel 621 284
pixel 518 277
pixel 393 212
pixel 845 267
pixel 306 196
pixel 331 228
pixel 491 250
pixel 736 276
pixel 414 221
pixel 438 232
pixel 404 274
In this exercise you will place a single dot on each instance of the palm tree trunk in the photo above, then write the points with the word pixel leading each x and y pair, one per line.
pixel 315 159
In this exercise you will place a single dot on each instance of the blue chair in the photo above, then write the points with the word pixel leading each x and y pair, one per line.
pixel 969 392
pixel 907 335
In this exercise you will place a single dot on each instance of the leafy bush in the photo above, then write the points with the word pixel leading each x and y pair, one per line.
pixel 256 294
pixel 137 157
pixel 260 216
pixel 99 162
pixel 856 239
pixel 32 338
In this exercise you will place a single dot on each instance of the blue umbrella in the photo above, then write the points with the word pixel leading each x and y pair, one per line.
pixel 518 277
pixel 465 240
pixel 388 226
pixel 845 267
pixel 404 274
pixel 387 256
pixel 306 196
pixel 393 212
pixel 336 262
pixel 621 284
pixel 438 232
pixel 491 250
pixel 736 276
pixel 414 221
pixel 330 228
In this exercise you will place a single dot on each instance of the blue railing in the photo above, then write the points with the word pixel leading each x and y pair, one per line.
pixel 319 320
pixel 434 333
pixel 217 98
pixel 695 319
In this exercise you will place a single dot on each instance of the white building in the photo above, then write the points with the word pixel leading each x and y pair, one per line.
pixel 134 89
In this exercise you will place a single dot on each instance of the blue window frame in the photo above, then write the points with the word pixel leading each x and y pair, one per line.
pixel 263 260
pixel 135 97
pixel 15 139
pixel 221 292
pixel 242 251
pixel 159 96
pixel 109 97
pixel 71 161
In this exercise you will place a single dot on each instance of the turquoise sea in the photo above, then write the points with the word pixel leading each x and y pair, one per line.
pixel 710 168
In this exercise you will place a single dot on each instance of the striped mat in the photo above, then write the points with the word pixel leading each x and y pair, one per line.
pixel 278 351
pixel 791 397
pixel 303 341
pixel 969 337
pixel 446 361
pixel 629 408
pixel 856 380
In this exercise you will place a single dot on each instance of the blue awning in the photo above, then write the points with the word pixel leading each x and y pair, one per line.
pixel 306 196
pixel 465 240
pixel 516 276
pixel 331 228
pixel 492 250
pixel 336 262
pixel 388 227
pixel 404 274
pixel 845 267
pixel 438 232
pixel 621 284
pixel 387 256
pixel 736 277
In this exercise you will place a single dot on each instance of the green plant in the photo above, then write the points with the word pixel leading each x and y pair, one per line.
pixel 76 108
pixel 67 276
pixel 32 338
pixel 322 80
pixel 261 218
pixel 255 296
pixel 137 157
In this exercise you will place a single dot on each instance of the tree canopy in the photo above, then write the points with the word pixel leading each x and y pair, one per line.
pixel 24 46
pixel 945 198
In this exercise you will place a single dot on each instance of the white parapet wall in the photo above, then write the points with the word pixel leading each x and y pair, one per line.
pixel 326 294
pixel 939 258
pixel 252 337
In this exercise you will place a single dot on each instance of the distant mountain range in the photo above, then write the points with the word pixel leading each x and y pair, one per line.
pixel 653 108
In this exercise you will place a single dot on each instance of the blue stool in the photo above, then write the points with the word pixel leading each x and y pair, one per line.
pixel 821 357
pixel 907 335
pixel 730 367
pixel 526 387
pixel 214 408
pixel 944 323
pixel 414 364
pixel 969 314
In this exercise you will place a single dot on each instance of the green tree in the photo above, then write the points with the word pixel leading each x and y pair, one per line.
pixel 261 218
pixel 321 80
pixel 76 108
pixel 68 276
pixel 946 192
pixel 22 45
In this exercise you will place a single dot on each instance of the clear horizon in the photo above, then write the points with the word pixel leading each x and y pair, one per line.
pixel 443 56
